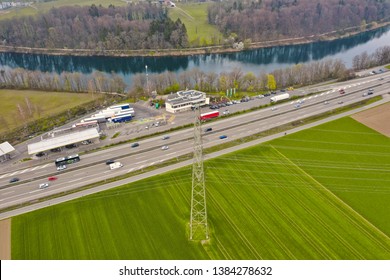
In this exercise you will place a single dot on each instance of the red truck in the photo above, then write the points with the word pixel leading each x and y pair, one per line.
pixel 209 115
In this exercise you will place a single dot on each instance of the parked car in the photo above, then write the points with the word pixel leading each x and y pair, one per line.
pixel 43 185
pixel 164 147
pixel 70 146
pixel 108 162
pixel 13 180
pixel 222 137
pixel 40 154
pixel 134 145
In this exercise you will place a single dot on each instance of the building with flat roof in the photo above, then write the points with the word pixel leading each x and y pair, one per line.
pixel 185 100
pixel 63 140
pixel 5 151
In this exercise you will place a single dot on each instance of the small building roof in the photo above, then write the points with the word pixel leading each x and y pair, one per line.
pixel 185 96
pixel 6 148
pixel 62 140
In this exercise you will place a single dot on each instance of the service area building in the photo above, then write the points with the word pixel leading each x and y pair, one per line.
pixel 63 140
pixel 6 151
pixel 184 100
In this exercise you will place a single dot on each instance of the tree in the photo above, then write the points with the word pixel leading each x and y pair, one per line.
pixel 271 83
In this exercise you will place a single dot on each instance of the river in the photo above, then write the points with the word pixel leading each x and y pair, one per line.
pixel 256 61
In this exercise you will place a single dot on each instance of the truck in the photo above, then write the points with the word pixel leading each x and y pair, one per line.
pixel 280 97
pixel 116 165
pixel 119 119
pixel 210 115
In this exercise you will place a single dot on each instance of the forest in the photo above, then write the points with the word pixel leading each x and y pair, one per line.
pixel 278 19
pixel 140 26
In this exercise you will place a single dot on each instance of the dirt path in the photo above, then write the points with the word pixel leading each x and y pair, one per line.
pixel 5 239
pixel 377 118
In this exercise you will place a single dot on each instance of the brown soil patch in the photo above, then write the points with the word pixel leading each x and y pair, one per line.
pixel 377 118
pixel 5 239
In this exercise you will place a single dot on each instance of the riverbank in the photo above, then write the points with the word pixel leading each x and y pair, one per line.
pixel 329 36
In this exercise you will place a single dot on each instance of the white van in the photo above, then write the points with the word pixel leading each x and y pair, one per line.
pixel 116 165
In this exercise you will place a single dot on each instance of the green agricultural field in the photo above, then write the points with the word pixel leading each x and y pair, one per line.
pixel 194 16
pixel 279 200
pixel 42 104
pixel 46 6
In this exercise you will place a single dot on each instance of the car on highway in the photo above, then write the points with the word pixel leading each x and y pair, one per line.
pixel 13 180
pixel 274 108
pixel 134 145
pixel 208 129
pixel 110 161
pixel 164 147
pixel 297 105
pixel 61 167
pixel 165 137
pixel 340 102
pixel 222 137
pixel 43 185
pixel 326 102
pixel 52 178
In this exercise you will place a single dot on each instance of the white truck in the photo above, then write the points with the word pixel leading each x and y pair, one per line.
pixel 116 165
pixel 280 97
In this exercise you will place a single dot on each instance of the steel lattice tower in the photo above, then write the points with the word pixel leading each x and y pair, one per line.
pixel 198 222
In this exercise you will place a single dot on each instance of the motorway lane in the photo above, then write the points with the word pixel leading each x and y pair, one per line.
pixel 118 151
pixel 150 153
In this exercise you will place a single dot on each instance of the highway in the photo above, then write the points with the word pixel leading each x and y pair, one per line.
pixel 92 167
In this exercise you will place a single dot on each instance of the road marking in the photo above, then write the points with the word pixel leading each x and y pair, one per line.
pixel 25 170
pixel 310 97
pixel 36 191
pixel 36 167
pixel 131 169
pixel 16 172
pixel 7 193
pixel 315 96
pixel 5 175
pixel 78 179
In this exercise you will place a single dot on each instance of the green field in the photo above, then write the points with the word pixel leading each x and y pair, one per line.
pixel 194 16
pixel 46 6
pixel 42 103
pixel 323 193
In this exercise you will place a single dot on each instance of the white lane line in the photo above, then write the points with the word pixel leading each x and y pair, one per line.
pixel 36 167
pixel 7 193
pixel 25 170
pixel 16 172
pixel 131 169
pixel 5 175
pixel 77 179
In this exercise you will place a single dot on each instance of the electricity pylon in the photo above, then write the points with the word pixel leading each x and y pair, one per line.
pixel 198 222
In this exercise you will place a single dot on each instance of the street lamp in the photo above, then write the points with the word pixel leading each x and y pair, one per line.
pixel 147 81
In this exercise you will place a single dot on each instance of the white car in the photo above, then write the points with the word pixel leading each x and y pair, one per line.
pixel 61 167
pixel 43 185
pixel 164 148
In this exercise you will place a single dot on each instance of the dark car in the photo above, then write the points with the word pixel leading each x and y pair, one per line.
pixel 208 129
pixel 13 180
pixel 70 146
pixel 134 145
pixel 222 137
pixel 40 154
pixel 110 161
